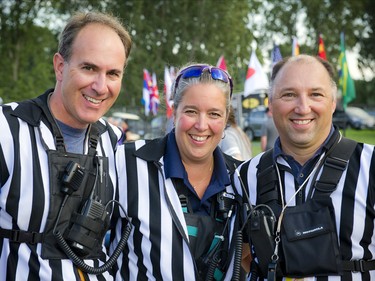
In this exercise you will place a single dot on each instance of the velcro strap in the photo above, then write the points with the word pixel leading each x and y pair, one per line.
pixel 20 236
pixel 358 265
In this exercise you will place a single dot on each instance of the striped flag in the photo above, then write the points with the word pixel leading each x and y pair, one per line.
pixel 147 89
pixel 154 97
pixel 295 47
pixel 167 91
pixel 346 83
pixel 276 55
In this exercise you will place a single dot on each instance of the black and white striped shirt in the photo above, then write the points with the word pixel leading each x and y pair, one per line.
pixel 25 193
pixel 353 201
pixel 156 249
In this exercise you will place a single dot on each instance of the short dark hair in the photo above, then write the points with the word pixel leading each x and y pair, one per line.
pixel 80 20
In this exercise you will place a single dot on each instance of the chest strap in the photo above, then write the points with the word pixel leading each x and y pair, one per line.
pixel 20 236
pixel 334 165
pixel 358 265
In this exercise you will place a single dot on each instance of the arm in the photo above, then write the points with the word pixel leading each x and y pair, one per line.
pixel 263 142
pixel 246 257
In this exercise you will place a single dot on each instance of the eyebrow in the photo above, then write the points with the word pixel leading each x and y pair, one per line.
pixel 86 63
pixel 293 89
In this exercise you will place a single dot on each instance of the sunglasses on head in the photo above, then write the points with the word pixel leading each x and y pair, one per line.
pixel 197 70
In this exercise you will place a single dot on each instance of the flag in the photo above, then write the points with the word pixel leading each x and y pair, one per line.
pixel 321 50
pixel 168 91
pixel 295 47
pixel 276 55
pixel 154 96
pixel 147 88
pixel 256 79
pixel 346 83
pixel 221 63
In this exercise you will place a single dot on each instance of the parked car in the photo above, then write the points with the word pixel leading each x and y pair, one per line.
pixel 134 122
pixel 359 118
pixel 340 119
pixel 253 122
pixel 158 127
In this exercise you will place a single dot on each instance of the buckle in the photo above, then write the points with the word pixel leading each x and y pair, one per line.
pixel 20 236
pixel 15 236
pixel 359 266
pixel 34 238
pixel 336 163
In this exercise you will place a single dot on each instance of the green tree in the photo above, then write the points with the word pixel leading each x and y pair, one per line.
pixel 25 51
pixel 172 33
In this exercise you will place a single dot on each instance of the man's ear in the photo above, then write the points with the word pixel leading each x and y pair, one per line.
pixel 58 66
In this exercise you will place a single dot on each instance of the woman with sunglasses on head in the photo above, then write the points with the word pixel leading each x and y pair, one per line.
pixel 179 196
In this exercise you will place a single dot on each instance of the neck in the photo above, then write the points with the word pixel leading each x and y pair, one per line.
pixel 199 175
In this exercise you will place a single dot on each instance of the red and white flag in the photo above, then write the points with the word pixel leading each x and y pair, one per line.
pixel 168 91
pixel 256 78
pixel 221 63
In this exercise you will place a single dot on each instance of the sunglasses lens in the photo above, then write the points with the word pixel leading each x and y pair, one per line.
pixel 197 70
pixel 194 71
pixel 219 74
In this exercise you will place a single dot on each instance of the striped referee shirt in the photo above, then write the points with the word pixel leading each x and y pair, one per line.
pixel 353 201
pixel 158 247
pixel 25 192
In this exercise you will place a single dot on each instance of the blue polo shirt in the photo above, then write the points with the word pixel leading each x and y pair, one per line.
pixel 174 169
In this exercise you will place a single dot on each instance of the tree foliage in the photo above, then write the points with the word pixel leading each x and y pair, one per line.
pixel 172 33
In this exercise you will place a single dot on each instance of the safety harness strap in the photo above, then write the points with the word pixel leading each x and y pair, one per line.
pixel 358 265
pixel 20 236
pixel 334 165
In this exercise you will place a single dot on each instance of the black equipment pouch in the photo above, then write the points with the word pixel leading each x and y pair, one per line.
pixel 206 239
pixel 58 163
pixel 201 231
pixel 261 229
pixel 308 234
pixel 307 231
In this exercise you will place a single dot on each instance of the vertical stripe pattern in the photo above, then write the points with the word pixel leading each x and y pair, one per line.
pixel 25 197
pixel 353 201
pixel 156 249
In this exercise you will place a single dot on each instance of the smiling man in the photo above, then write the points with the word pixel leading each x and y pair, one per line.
pixel 57 168
pixel 318 184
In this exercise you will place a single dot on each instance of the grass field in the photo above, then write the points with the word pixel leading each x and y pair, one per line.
pixel 367 136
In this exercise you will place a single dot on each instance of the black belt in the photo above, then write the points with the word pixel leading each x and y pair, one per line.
pixel 21 236
pixel 358 265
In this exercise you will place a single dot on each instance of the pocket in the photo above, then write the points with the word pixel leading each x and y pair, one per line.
pixel 309 240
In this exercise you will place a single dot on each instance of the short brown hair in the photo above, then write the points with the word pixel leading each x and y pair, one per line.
pixel 80 20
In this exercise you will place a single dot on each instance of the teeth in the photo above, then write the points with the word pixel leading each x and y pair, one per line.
pixel 197 138
pixel 92 100
pixel 302 122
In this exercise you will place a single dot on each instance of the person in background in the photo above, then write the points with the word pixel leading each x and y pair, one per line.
pixel 57 159
pixel 269 132
pixel 320 185
pixel 235 142
pixel 179 195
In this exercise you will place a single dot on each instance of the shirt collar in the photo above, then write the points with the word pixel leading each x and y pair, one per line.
pixel 278 151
